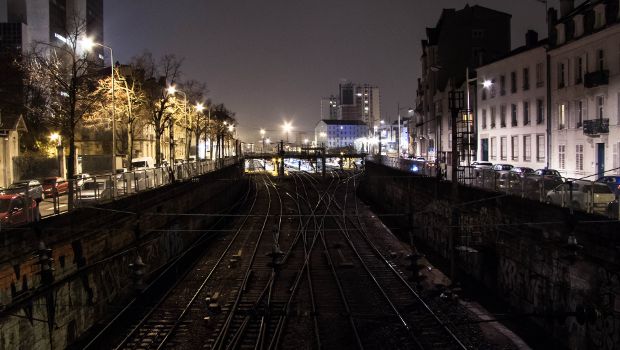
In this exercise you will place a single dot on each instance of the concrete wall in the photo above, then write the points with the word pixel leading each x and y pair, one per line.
pixel 516 249
pixel 92 250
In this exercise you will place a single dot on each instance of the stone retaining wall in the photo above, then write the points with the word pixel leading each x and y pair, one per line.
pixel 518 249
pixel 92 250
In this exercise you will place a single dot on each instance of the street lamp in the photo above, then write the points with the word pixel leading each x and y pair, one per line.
pixel 88 44
pixel 409 110
pixel 262 135
pixel 171 91
pixel 287 126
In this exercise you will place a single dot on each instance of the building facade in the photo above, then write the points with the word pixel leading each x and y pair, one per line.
pixel 585 88
pixel 340 133
pixel 462 39
pixel 10 128
pixel 329 107
pixel 511 107
pixel 359 102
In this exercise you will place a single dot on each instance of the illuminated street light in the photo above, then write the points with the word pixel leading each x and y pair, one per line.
pixel 287 126
pixel 55 137
pixel 171 91
pixel 199 107
pixel 487 84
pixel 262 135
pixel 88 44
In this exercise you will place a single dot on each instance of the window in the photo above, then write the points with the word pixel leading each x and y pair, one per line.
pixel 562 116
pixel 600 59
pixel 562 156
pixel 513 82
pixel 540 148
pixel 561 81
pixel 514 147
pixel 600 106
pixel 526 113
pixel 599 16
pixel 484 94
pixel 492 117
pixel 502 116
pixel 502 85
pixel 526 78
pixel 540 75
pixel 503 144
pixel 477 33
pixel 527 148
pixel 513 115
pixel 484 118
pixel 579 157
pixel 578 114
pixel 492 148
pixel 578 70
pixel 540 111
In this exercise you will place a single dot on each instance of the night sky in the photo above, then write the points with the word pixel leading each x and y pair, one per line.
pixel 273 60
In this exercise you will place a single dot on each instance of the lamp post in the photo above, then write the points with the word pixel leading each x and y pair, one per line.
pixel 56 138
pixel 262 135
pixel 399 108
pixel 88 44
pixel 173 90
pixel 287 126
pixel 199 108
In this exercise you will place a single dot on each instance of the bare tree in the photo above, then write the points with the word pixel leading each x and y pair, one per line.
pixel 62 76
pixel 130 101
pixel 158 103
pixel 221 120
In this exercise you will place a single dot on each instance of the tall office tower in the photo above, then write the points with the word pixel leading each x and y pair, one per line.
pixel 25 23
pixel 360 102
pixel 329 107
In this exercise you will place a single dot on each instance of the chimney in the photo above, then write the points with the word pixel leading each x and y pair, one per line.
pixel 566 6
pixel 531 38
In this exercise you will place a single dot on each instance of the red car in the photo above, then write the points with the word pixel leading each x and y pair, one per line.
pixel 14 210
pixel 55 186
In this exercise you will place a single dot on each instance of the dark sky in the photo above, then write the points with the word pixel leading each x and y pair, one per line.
pixel 272 60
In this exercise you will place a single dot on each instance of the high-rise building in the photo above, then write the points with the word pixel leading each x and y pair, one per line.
pixel 360 102
pixel 329 107
pixel 24 23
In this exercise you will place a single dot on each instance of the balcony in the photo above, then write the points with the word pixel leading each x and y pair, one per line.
pixel 595 127
pixel 597 78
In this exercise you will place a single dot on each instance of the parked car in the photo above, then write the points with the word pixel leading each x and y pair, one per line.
pixel 482 165
pixel 499 167
pixel 613 182
pixel 34 188
pixel 537 184
pixel 93 191
pixel 55 186
pixel 585 194
pixel 15 209
pixel 548 174
pixel 80 178
pixel 522 171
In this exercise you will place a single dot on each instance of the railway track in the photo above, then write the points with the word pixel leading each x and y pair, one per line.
pixel 299 271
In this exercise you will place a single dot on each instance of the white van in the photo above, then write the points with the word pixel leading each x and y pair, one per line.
pixel 141 163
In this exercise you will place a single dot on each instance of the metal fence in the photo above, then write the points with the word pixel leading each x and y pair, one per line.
pixel 94 190
pixel 576 194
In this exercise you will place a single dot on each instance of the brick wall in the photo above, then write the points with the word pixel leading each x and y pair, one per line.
pixel 92 250
pixel 517 249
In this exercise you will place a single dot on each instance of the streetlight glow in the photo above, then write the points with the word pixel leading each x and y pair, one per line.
pixel 199 107
pixel 262 132
pixel 487 84
pixel 172 89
